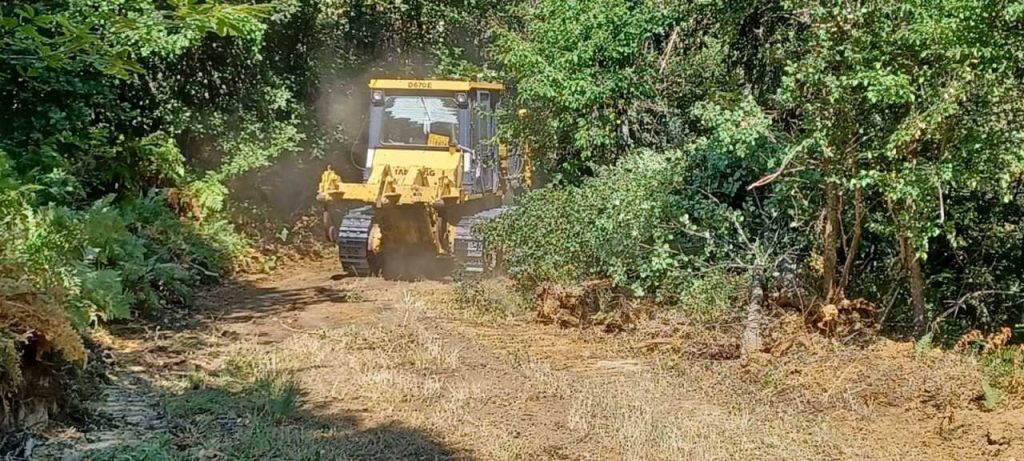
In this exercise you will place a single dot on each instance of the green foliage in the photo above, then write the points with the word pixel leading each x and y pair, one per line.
pixel 651 221
pixel 87 143
pixel 108 258
pixel 67 70
pixel 610 226
pixel 712 297
pixel 811 132
pixel 584 68
pixel 992 396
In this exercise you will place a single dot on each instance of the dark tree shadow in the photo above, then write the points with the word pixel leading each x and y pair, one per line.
pixel 264 420
pixel 235 302
pixel 246 418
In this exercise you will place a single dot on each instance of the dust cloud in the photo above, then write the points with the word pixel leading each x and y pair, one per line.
pixel 338 105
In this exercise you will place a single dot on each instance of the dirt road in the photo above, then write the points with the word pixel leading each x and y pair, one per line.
pixel 308 365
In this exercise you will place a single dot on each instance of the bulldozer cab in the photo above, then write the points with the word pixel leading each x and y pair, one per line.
pixel 428 118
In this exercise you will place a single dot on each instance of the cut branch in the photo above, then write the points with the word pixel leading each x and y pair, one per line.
pixel 668 50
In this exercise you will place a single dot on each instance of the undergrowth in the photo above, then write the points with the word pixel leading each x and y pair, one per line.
pixel 490 297
pixel 712 297
pixel 644 224
pixel 64 269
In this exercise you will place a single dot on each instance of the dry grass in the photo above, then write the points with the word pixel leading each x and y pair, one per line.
pixel 403 370
pixel 807 404
pixel 819 400
pixel 426 380
pixel 884 374
pixel 282 401
pixel 654 415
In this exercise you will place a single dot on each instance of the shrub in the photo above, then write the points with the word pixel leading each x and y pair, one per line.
pixel 654 221
pixel 711 297
pixel 611 226
pixel 490 297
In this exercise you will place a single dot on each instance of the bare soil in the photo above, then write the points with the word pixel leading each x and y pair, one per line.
pixel 398 370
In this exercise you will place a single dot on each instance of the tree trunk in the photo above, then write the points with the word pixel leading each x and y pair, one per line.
pixel 830 240
pixel 751 341
pixel 913 266
pixel 851 252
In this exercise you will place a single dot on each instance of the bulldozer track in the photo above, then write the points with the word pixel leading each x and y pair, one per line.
pixel 353 239
pixel 470 250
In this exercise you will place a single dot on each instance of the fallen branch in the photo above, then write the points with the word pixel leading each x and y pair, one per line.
pixel 320 333
pixel 962 302
pixel 204 270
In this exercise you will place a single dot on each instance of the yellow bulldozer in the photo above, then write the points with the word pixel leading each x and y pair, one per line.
pixel 433 172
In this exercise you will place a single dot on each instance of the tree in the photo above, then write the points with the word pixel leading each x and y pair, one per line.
pixel 905 103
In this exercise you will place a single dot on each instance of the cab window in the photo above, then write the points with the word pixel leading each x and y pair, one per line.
pixel 419 121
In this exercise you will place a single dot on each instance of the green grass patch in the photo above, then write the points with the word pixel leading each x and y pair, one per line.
pixel 490 297
pixel 238 414
pixel 1004 372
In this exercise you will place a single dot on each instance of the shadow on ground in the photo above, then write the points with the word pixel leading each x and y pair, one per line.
pixel 243 303
pixel 235 303
pixel 236 418
pixel 263 418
